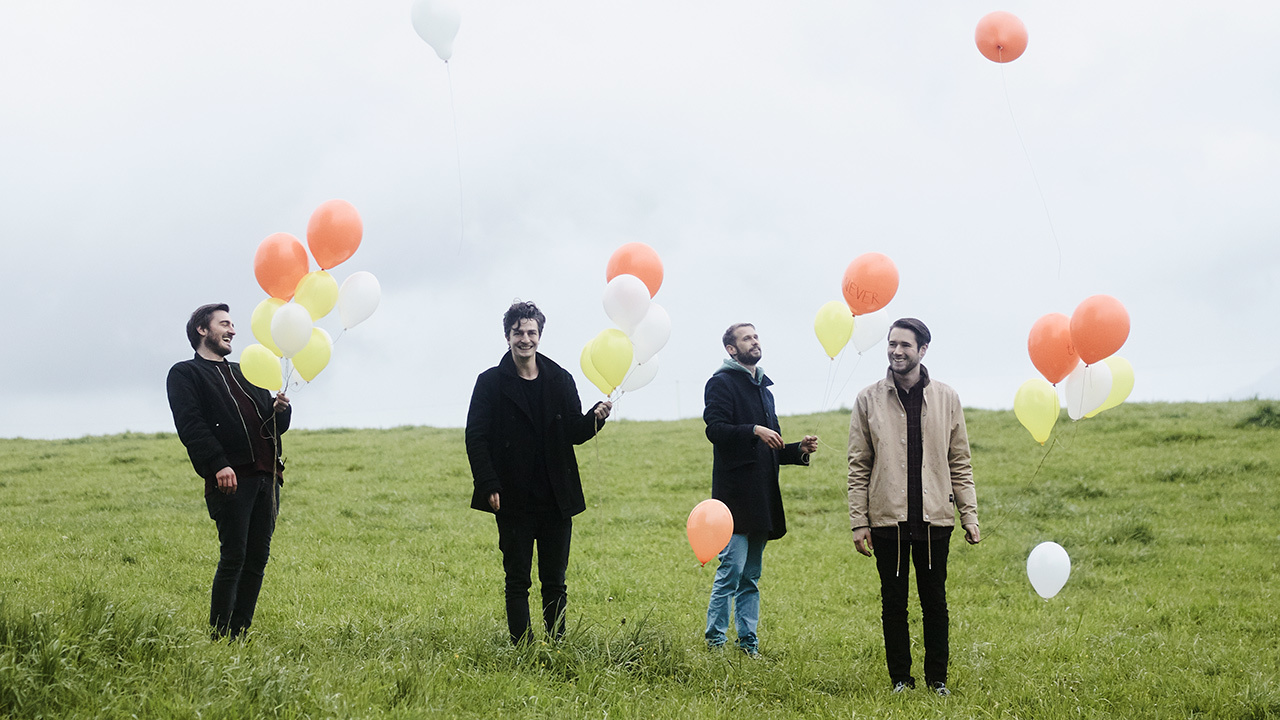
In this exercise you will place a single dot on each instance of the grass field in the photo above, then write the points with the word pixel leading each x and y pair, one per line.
pixel 383 597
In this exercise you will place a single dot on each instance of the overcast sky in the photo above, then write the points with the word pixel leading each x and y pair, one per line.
pixel 147 147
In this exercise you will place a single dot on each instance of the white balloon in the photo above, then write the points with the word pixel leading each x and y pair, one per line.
pixel 626 302
pixel 437 22
pixel 1087 388
pixel 870 329
pixel 640 375
pixel 652 334
pixel 358 298
pixel 291 328
pixel 1048 567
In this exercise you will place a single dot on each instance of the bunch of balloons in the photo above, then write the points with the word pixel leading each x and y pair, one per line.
pixel 437 23
pixel 625 358
pixel 284 323
pixel 709 527
pixel 870 282
pixel 1080 349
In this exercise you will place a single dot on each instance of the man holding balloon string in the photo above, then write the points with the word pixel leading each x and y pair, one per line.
pixel 231 430
pixel 524 419
pixel 909 473
pixel 742 425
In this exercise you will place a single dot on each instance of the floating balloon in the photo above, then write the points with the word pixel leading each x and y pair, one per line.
pixel 611 355
pixel 313 358
pixel 334 232
pixel 1001 37
pixel 1049 346
pixel 637 259
pixel 261 367
pixel 626 302
pixel 1121 383
pixel 590 371
pixel 260 323
pixel 1037 407
pixel 870 282
pixel 1048 567
pixel 652 334
pixel 437 23
pixel 710 527
pixel 834 326
pixel 870 329
pixel 358 298
pixel 1087 388
pixel 317 292
pixel 279 264
pixel 1099 327
pixel 291 329
pixel 640 375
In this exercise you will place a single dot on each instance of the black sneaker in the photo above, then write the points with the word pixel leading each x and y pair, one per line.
pixel 940 688
pixel 902 687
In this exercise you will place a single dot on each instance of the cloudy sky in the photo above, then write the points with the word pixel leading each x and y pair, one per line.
pixel 147 147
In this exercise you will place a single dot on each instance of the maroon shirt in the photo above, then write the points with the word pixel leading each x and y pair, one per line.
pixel 260 433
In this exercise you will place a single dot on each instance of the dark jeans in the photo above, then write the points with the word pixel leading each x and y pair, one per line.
pixel 894 551
pixel 245 519
pixel 516 537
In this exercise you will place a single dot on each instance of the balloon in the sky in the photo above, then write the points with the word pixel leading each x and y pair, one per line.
pixel 358 298
pixel 279 263
pixel 1037 407
pixel 870 329
pixel 611 354
pixel 334 232
pixel 1121 383
pixel 652 334
pixel 1088 386
pixel 1001 37
pixel 626 302
pixel 291 328
pixel 641 374
pixel 260 323
pixel 437 23
pixel 870 282
pixel 1049 345
pixel 1099 327
pixel 261 367
pixel 636 258
pixel 317 292
pixel 1048 567
pixel 834 326
pixel 313 358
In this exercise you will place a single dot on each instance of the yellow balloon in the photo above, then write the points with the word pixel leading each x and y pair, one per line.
pixel 611 355
pixel 260 367
pixel 260 323
pixel 1037 407
pixel 313 358
pixel 1121 384
pixel 833 326
pixel 590 370
pixel 317 292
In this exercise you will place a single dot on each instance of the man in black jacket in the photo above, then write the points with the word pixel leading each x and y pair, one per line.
pixel 231 430
pixel 742 425
pixel 525 417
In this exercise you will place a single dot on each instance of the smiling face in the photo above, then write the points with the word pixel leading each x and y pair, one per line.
pixel 904 353
pixel 746 346
pixel 216 336
pixel 523 339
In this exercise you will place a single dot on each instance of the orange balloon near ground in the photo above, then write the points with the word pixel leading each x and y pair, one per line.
pixel 637 259
pixel 1099 327
pixel 1049 345
pixel 710 527
pixel 279 264
pixel 334 232
pixel 870 282
pixel 1001 37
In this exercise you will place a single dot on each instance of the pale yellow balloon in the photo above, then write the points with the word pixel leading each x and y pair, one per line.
pixel 260 323
pixel 1121 384
pixel 833 326
pixel 1037 407
pixel 317 292
pixel 611 354
pixel 313 358
pixel 260 367
pixel 590 370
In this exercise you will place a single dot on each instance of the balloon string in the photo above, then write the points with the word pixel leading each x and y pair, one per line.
pixel 457 148
pixel 1056 440
pixel 1032 166
pixel 852 372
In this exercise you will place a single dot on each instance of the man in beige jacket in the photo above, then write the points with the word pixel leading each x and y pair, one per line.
pixel 909 475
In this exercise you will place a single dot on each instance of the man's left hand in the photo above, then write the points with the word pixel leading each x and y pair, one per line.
pixel 971 534
pixel 282 402
pixel 602 410
pixel 809 444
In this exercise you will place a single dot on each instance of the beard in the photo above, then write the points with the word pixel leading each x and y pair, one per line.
pixel 215 346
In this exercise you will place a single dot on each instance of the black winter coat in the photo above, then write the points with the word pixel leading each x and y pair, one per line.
pixel 501 436
pixel 744 475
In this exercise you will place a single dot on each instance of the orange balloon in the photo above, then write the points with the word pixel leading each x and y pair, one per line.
pixel 710 528
pixel 279 264
pixel 1001 37
pixel 636 258
pixel 1049 345
pixel 334 232
pixel 870 282
pixel 1099 327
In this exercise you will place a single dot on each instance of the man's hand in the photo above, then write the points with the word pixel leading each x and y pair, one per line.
pixel 495 502
pixel 770 438
pixel 226 478
pixel 971 534
pixel 809 444
pixel 862 540
pixel 282 402
pixel 602 410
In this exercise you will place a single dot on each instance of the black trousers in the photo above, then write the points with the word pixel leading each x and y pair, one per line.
pixel 517 535
pixel 894 550
pixel 245 519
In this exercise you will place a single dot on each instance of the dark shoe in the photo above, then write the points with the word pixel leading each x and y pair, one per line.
pixel 903 686
pixel 940 688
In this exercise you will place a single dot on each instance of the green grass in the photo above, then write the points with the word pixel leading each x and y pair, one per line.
pixel 383 597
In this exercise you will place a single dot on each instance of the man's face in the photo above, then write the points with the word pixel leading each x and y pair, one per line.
pixel 746 346
pixel 904 354
pixel 523 339
pixel 218 334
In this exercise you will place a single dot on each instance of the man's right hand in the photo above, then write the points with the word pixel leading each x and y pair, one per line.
pixel 770 438
pixel 862 540
pixel 495 502
pixel 226 478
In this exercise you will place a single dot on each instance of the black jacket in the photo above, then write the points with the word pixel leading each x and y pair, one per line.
pixel 501 437
pixel 209 421
pixel 744 475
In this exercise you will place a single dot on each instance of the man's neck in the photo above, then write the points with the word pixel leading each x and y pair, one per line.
pixel 526 368
pixel 208 354
pixel 908 381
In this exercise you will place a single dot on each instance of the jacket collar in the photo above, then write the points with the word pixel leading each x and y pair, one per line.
pixel 760 379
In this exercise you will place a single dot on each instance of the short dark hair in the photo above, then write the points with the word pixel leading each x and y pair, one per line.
pixel 200 320
pixel 729 338
pixel 518 312
pixel 921 331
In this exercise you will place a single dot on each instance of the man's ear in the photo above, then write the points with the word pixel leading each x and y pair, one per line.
pixel 733 351
pixel 924 348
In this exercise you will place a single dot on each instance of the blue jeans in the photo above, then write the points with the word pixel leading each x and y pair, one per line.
pixel 738 577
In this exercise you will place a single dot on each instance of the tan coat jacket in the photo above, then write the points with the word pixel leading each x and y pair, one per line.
pixel 878 458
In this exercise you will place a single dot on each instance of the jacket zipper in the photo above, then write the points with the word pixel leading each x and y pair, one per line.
pixel 243 426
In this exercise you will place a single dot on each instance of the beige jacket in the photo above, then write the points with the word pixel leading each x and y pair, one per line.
pixel 878 458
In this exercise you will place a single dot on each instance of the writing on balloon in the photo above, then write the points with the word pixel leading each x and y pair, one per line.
pixel 851 290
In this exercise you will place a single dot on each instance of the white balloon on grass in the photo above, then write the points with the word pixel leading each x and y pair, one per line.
pixel 1087 388
pixel 640 375
pixel 437 23
pixel 870 329
pixel 291 328
pixel 626 302
pixel 358 298
pixel 1048 567
pixel 651 334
